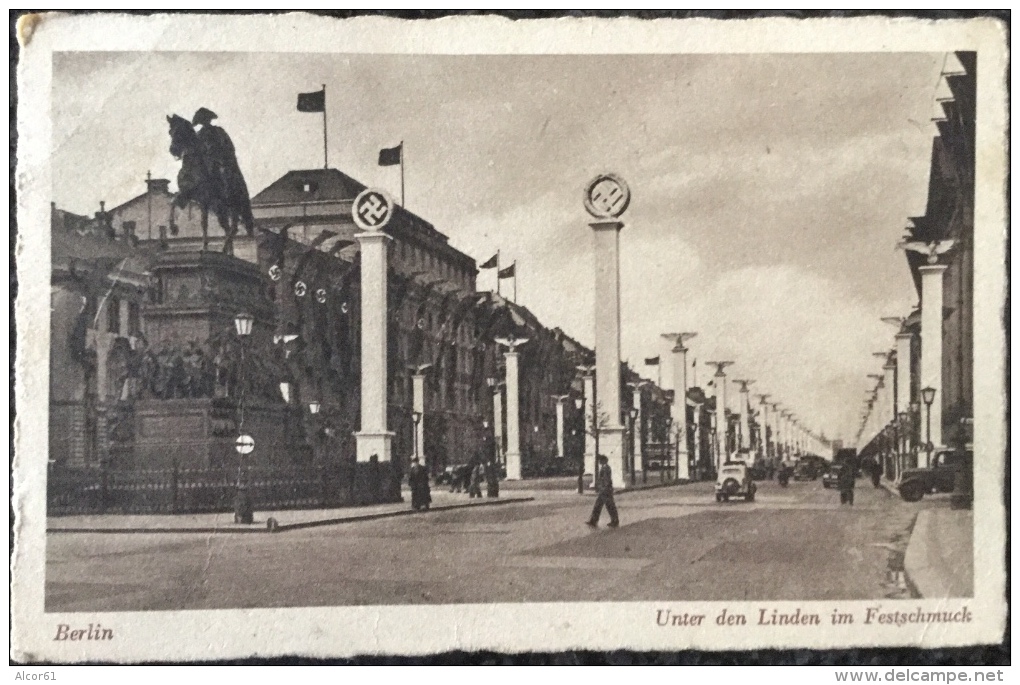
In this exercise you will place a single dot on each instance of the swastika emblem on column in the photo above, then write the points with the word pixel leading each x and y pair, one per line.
pixel 606 196
pixel 372 209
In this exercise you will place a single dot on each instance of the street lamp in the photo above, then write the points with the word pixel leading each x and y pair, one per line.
pixel 633 455
pixel 416 417
pixel 243 323
pixel 904 421
pixel 928 396
pixel 242 500
pixel 579 405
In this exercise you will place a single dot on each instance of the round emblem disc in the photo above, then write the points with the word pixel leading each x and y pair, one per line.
pixel 372 209
pixel 606 196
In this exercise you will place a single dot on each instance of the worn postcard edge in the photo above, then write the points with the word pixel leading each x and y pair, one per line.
pixel 413 629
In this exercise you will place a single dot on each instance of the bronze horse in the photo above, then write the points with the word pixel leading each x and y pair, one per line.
pixel 209 176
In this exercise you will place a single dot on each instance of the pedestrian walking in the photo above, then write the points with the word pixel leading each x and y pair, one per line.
pixel 876 473
pixel 847 480
pixel 418 480
pixel 460 477
pixel 477 478
pixel 492 480
pixel 604 495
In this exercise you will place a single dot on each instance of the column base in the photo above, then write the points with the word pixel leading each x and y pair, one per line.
pixel 611 445
pixel 376 477
pixel 513 466
pixel 369 443
pixel 683 467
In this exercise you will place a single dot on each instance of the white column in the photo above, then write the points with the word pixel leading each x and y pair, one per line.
pixel 931 347
pixel 680 406
pixel 497 419
pixel 513 417
pixel 763 427
pixel 720 419
pixel 590 428
pixel 560 399
pixel 607 344
pixel 745 421
pixel 418 405
pixel 697 437
pixel 373 438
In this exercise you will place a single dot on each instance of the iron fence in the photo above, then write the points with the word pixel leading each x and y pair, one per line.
pixel 180 491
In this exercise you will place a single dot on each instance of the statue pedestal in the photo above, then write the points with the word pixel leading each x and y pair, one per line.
pixel 200 433
pixel 204 383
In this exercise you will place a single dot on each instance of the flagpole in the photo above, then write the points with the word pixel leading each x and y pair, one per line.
pixel 498 279
pixel 515 281
pixel 401 173
pixel 325 138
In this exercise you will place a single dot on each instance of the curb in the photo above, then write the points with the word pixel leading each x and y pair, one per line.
pixel 657 486
pixel 890 486
pixel 915 561
pixel 294 526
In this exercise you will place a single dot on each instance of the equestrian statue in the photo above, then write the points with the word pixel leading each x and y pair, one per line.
pixel 209 176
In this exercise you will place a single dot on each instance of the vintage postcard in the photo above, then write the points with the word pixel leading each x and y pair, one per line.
pixel 368 336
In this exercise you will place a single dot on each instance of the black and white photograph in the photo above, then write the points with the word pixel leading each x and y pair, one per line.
pixel 332 332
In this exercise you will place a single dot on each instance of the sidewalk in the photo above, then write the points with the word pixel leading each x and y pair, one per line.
pixel 569 484
pixel 940 555
pixel 291 519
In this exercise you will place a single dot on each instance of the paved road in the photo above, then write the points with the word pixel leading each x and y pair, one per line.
pixel 676 543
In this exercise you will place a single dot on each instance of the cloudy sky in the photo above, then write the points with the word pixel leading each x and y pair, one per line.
pixel 769 191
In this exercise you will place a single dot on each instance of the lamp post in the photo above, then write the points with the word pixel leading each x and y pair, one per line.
pixel 416 417
pixel 928 396
pixel 904 419
pixel 313 409
pixel 579 405
pixel 915 431
pixel 243 513
pixel 633 413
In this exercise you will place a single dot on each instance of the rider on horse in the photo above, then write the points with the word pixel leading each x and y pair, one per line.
pixel 217 146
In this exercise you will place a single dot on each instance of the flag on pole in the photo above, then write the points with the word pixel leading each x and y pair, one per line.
pixel 651 361
pixel 391 156
pixel 509 272
pixel 312 102
pixel 490 263
pixel 316 102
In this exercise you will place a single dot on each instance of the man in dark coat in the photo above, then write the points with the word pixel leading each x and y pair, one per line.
pixel 604 494
pixel 418 479
pixel 846 481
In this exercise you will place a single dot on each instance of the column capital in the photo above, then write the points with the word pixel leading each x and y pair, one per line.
pixel 904 335
pixel 372 236
pixel 606 225
pixel 932 268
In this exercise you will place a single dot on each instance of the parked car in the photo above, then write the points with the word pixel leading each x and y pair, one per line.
pixel 939 477
pixel 806 469
pixel 830 478
pixel 734 480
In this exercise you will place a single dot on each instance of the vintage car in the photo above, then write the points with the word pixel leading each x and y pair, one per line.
pixel 734 480
pixel 831 477
pixel 941 476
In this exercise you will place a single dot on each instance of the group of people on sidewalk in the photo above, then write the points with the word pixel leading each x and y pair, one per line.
pixel 467 478
pixel 470 477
